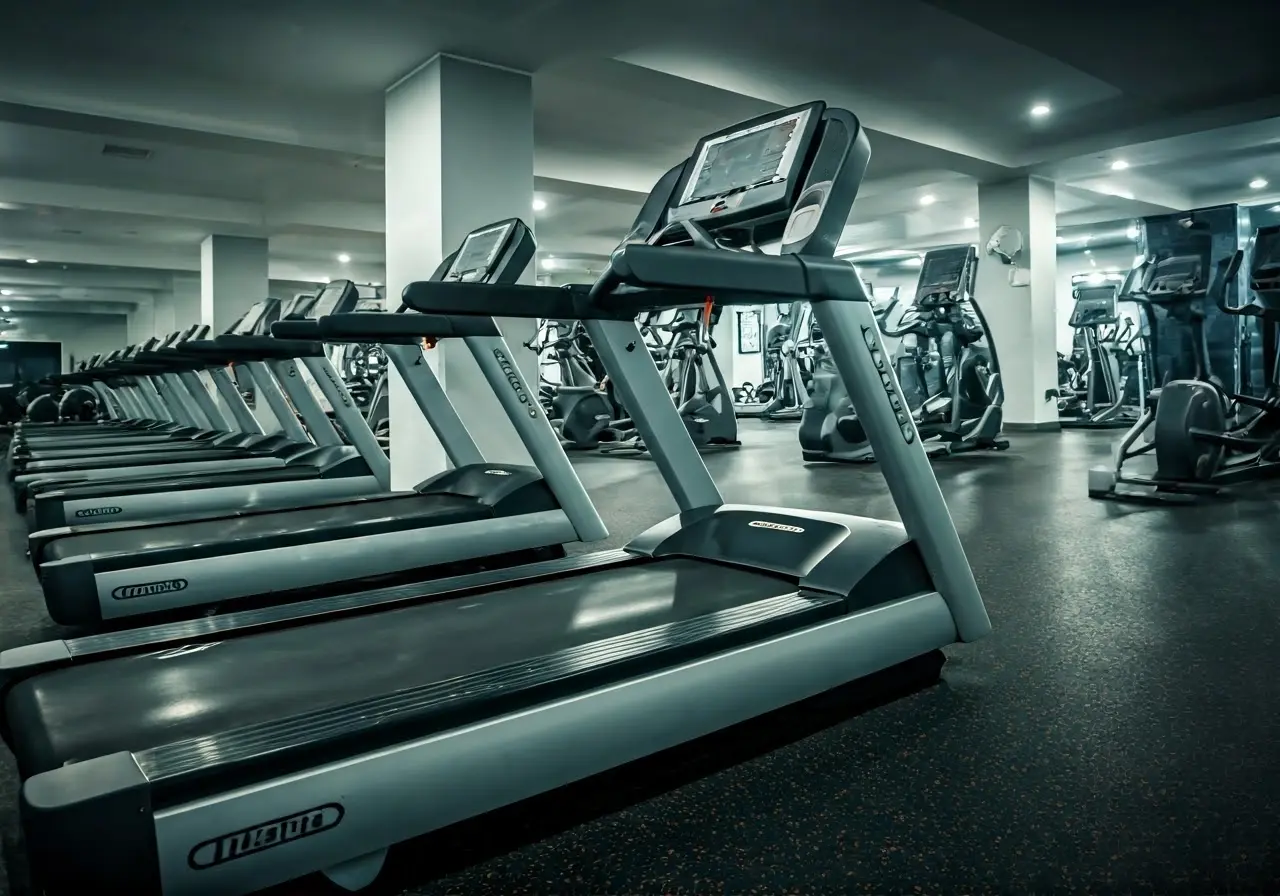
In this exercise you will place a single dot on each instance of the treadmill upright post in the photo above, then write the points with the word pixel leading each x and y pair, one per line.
pixel 646 398
pixel 353 422
pixel 268 388
pixel 494 358
pixel 429 395
pixel 301 397
pixel 853 339
pixel 195 386
pixel 231 397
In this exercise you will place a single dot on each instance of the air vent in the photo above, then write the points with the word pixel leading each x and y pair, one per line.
pixel 116 151
pixel 72 232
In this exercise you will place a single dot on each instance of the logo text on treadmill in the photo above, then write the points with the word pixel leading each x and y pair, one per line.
pixel 98 511
pixel 149 589
pixel 260 837
pixel 776 527
pixel 513 378
pixel 901 414
pixel 497 472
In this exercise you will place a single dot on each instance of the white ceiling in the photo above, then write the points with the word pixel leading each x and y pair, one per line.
pixel 266 119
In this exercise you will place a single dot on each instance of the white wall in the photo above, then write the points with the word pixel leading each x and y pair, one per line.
pixel 81 335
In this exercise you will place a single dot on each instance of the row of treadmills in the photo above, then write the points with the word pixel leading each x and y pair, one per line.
pixel 293 668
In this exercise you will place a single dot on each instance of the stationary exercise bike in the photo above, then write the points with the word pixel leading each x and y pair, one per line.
pixel 1198 444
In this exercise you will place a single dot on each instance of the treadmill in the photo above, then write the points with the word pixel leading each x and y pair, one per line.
pixel 161 460
pixel 329 470
pixel 502 513
pixel 179 363
pixel 251 749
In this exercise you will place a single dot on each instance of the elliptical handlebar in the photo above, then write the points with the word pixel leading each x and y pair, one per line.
pixel 1224 272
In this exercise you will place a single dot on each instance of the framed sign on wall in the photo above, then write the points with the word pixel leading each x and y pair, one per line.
pixel 748 331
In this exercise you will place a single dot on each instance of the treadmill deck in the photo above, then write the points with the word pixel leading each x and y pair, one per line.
pixel 206 690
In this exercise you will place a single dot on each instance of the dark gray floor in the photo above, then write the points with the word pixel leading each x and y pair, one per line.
pixel 1117 734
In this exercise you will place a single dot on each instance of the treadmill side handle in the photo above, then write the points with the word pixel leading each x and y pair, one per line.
pixel 92 820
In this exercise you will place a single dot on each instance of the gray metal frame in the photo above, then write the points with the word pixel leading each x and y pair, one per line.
pixel 199 393
pixel 267 387
pixel 304 402
pixel 459 447
pixel 234 401
pixel 349 416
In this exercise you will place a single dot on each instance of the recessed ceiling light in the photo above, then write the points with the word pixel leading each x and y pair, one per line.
pixel 1088 251
pixel 1274 208
pixel 1060 240
pixel 5 309
pixel 970 222
pixel 1040 110
pixel 1132 233
pixel 548 264
pixel 1119 165
pixel 1257 183
pixel 324 279
pixel 33 261
pixel 914 261
pixel 539 204
pixel 6 292
pixel 375 284
pixel 344 258
pixel 928 199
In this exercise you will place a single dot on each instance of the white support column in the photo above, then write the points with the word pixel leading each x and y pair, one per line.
pixel 185 299
pixel 233 275
pixel 1022 318
pixel 141 321
pixel 459 155
pixel 164 319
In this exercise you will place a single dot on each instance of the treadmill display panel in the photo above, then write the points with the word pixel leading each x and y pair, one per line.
pixel 329 299
pixel 478 254
pixel 763 154
pixel 298 307
pixel 249 323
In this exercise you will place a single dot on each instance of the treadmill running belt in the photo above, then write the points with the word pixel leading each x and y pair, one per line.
pixel 276 528
pixel 163 697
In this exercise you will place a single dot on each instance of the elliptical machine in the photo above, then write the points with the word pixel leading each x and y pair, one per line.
pixel 795 353
pixel 750 400
pixel 965 413
pixel 1097 401
pixel 696 382
pixel 1199 443
pixel 580 409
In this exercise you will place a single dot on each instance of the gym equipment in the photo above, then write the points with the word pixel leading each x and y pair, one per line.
pixel 796 358
pixel 1197 435
pixel 310 473
pixel 965 413
pixel 338 729
pixel 474 510
pixel 580 408
pixel 750 400
pixel 1097 399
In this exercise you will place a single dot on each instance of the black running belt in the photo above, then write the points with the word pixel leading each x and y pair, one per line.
pixel 124 459
pixel 517 639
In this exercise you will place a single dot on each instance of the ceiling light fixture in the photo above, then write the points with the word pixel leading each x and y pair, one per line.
pixel 375 284
pixel 1060 240
pixel 1088 251
pixel 344 258
pixel 5 309
pixel 33 261
pixel 970 223
pixel 1040 110
pixel 1119 165
pixel 324 279
pixel 1132 233
pixel 539 204
pixel 1274 208
pixel 548 264
pixel 6 292
pixel 914 261
pixel 928 199
pixel 1258 183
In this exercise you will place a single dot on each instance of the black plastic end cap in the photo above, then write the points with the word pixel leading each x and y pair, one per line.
pixel 70 592
pixel 90 828
pixel 46 511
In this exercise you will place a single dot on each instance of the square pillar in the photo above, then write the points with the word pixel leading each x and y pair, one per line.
pixel 233 275
pixel 459 155
pixel 184 298
pixel 164 318
pixel 141 321
pixel 1022 319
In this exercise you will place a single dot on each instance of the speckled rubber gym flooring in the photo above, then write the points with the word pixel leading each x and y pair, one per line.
pixel 1118 733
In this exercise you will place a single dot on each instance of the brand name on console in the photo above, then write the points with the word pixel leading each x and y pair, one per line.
pixel 775 527
pixel 269 834
pixel 98 511
pixel 149 589
pixel 513 379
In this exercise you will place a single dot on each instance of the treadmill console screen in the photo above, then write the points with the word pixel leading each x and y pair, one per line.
pixel 478 254
pixel 249 323
pixel 762 154
pixel 1266 256
pixel 298 308
pixel 942 274
pixel 1094 305
pixel 333 299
